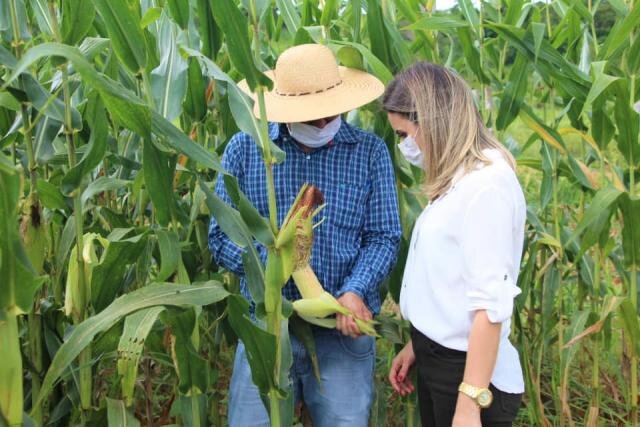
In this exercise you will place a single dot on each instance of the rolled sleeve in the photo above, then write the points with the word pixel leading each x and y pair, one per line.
pixel 487 254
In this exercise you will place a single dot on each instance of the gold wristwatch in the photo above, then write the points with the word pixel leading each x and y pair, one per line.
pixel 482 396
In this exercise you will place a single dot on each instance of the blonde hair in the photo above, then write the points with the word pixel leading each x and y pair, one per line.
pixel 450 129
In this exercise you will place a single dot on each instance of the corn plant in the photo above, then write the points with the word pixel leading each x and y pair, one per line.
pixel 113 114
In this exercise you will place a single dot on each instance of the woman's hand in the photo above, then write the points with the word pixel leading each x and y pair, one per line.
pixel 399 372
pixel 467 413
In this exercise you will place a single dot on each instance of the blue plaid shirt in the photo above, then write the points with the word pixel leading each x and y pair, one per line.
pixel 356 246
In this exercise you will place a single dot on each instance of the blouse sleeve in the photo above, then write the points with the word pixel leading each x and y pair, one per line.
pixel 488 254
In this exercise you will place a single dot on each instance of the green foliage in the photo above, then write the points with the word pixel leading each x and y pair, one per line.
pixel 112 117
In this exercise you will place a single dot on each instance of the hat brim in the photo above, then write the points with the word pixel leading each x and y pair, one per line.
pixel 358 88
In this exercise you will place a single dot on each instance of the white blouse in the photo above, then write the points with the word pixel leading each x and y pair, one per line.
pixel 465 256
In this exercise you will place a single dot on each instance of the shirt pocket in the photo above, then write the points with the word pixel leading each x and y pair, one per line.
pixel 346 205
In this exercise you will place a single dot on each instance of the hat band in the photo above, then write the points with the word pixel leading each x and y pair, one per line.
pixel 309 93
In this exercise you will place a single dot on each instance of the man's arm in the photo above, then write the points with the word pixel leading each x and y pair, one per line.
pixel 380 238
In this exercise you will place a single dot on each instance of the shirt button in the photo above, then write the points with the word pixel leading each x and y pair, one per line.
pixel 308 157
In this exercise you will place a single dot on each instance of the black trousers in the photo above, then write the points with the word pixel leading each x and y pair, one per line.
pixel 440 371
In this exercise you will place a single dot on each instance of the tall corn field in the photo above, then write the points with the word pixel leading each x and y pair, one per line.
pixel 113 117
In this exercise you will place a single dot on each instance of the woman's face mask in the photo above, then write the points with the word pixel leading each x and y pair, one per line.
pixel 410 150
pixel 314 137
pixel 407 129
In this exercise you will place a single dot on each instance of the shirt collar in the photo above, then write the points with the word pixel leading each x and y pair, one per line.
pixel 346 133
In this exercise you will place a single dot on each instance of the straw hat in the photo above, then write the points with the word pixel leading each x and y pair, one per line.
pixel 309 85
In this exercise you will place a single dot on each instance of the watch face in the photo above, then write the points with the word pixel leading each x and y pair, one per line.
pixel 484 398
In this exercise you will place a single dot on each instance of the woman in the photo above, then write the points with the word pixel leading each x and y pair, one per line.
pixel 460 277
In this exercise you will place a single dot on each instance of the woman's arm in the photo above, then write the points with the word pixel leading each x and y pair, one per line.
pixel 484 340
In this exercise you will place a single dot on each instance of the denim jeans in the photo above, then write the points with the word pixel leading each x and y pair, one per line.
pixel 342 398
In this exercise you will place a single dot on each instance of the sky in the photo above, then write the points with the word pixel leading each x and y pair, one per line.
pixel 446 4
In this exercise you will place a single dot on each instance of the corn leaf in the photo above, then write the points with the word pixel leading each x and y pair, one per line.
pixel 123 26
pixel 118 415
pixel 234 26
pixel 159 294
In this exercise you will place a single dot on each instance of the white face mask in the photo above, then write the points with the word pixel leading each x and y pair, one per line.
pixel 410 150
pixel 312 136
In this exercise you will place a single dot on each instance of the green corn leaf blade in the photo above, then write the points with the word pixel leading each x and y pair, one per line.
pixel 259 344
pixel 158 178
pixel 9 101
pixel 10 371
pixel 603 200
pixel 234 25
pixel 538 30
pixel 101 185
pixel 601 82
pixel 619 35
pixel 50 196
pixel 629 316
pixel 96 147
pixel 123 105
pixel 602 127
pixel 169 79
pixel 378 33
pixel 191 368
pixel 20 279
pixel 150 16
pixel 123 26
pixel 193 409
pixel 515 12
pixel 303 333
pixel 195 103
pixel 179 10
pixel 210 34
pixel 400 49
pixel 77 20
pixel 630 207
pixel 579 319
pixel 471 15
pixel 119 416
pixel 175 138
pixel 169 245
pixel 257 224
pixel 328 12
pixel 514 93
pixel 546 133
pixel 289 14
pixel 471 53
pixel 234 227
pixel 378 68
pixel 158 294
pixel 550 64
pixel 240 104
pixel 136 328
pixel 49 104
pixel 43 16
pixel 550 285
pixel 108 276
pixel 437 23
pixel 627 121
pixel 6 22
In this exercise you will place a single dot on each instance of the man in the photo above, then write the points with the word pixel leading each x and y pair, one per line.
pixel 354 249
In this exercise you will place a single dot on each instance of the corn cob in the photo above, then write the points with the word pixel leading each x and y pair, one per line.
pixel 316 303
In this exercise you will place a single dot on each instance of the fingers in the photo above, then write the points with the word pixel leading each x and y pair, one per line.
pixel 399 375
pixel 347 326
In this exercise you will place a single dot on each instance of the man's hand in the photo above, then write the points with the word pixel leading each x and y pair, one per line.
pixel 346 324
pixel 399 372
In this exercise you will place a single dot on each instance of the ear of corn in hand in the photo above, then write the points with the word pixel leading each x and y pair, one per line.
pixel 297 230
